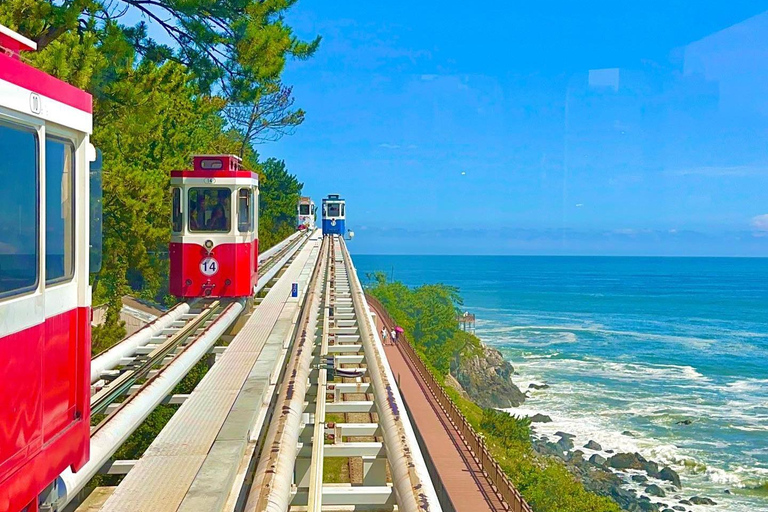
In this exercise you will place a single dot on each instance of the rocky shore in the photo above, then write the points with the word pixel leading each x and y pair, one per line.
pixel 635 483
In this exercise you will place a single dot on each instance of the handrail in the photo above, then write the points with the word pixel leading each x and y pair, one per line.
pixel 492 470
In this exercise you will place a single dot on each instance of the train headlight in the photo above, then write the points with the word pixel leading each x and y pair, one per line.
pixel 209 244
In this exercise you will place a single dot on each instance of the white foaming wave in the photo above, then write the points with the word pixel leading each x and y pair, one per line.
pixel 600 330
pixel 748 385
pixel 540 356
pixel 616 370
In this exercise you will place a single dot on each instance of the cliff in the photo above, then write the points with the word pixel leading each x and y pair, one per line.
pixel 487 378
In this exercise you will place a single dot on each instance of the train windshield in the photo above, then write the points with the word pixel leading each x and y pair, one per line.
pixel 210 210
pixel 303 209
pixel 333 209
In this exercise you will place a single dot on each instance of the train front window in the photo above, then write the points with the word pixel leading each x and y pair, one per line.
pixel 209 210
pixel 18 209
pixel 59 209
pixel 244 208
pixel 303 209
pixel 333 209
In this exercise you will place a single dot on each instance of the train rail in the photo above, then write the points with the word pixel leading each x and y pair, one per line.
pixel 336 354
pixel 131 379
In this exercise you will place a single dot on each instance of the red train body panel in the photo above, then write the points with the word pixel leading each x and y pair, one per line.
pixel 214 244
pixel 45 337
pixel 45 424
pixel 236 276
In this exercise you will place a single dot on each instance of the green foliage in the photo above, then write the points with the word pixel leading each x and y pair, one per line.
pixel 428 315
pixel 279 193
pixel 237 47
pixel 505 426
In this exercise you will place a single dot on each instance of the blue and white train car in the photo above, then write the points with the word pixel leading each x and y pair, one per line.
pixel 334 218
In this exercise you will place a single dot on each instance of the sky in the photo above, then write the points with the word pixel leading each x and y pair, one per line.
pixel 596 128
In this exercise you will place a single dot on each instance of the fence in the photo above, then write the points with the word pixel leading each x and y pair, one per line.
pixel 492 470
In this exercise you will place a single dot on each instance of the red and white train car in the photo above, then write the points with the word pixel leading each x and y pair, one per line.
pixel 45 297
pixel 214 236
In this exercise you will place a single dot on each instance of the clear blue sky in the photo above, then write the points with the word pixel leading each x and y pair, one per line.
pixel 537 127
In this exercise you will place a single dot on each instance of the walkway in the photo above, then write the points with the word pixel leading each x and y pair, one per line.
pixel 461 475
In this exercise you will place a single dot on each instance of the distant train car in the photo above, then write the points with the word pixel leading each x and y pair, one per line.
pixel 334 216
pixel 45 296
pixel 214 230
pixel 306 214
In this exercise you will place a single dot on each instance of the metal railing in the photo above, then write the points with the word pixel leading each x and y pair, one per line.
pixel 492 470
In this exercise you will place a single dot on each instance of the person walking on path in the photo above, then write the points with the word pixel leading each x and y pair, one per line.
pixel 384 335
pixel 394 336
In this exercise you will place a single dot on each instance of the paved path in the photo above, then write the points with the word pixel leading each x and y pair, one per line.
pixel 466 485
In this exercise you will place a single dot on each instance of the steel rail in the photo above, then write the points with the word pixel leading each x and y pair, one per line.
pixel 111 357
pixel 111 434
pixel 273 259
pixel 123 383
pixel 271 488
pixel 410 477
pixel 315 499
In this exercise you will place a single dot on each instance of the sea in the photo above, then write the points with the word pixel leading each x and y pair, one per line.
pixel 667 357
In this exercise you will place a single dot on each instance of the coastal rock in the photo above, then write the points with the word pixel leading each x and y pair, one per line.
pixel 655 490
pixel 685 422
pixel 609 451
pixel 533 385
pixel 647 506
pixel 686 502
pixel 667 510
pixel 592 445
pixel 576 457
pixel 487 379
pixel 641 479
pixel 651 468
pixel 626 461
pixel 628 433
pixel 560 433
pixel 670 475
pixel 566 443
pixel 696 500
pixel 597 459
pixel 679 508
pixel 540 418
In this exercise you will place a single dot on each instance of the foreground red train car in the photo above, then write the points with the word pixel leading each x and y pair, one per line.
pixel 45 344
pixel 214 243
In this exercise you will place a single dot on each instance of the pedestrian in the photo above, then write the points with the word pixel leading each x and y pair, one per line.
pixel 384 335
pixel 394 336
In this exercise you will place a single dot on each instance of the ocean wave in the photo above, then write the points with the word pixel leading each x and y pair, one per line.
pixel 594 367
pixel 748 385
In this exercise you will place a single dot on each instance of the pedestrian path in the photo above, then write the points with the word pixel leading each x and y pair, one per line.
pixel 465 483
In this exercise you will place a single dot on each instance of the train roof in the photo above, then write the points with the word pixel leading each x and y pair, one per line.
pixel 19 74
pixel 333 197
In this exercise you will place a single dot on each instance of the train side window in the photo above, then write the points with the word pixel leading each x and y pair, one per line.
pixel 303 209
pixel 209 210
pixel 252 211
pixel 342 209
pixel 176 220
pixel 19 230
pixel 59 209
pixel 244 210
